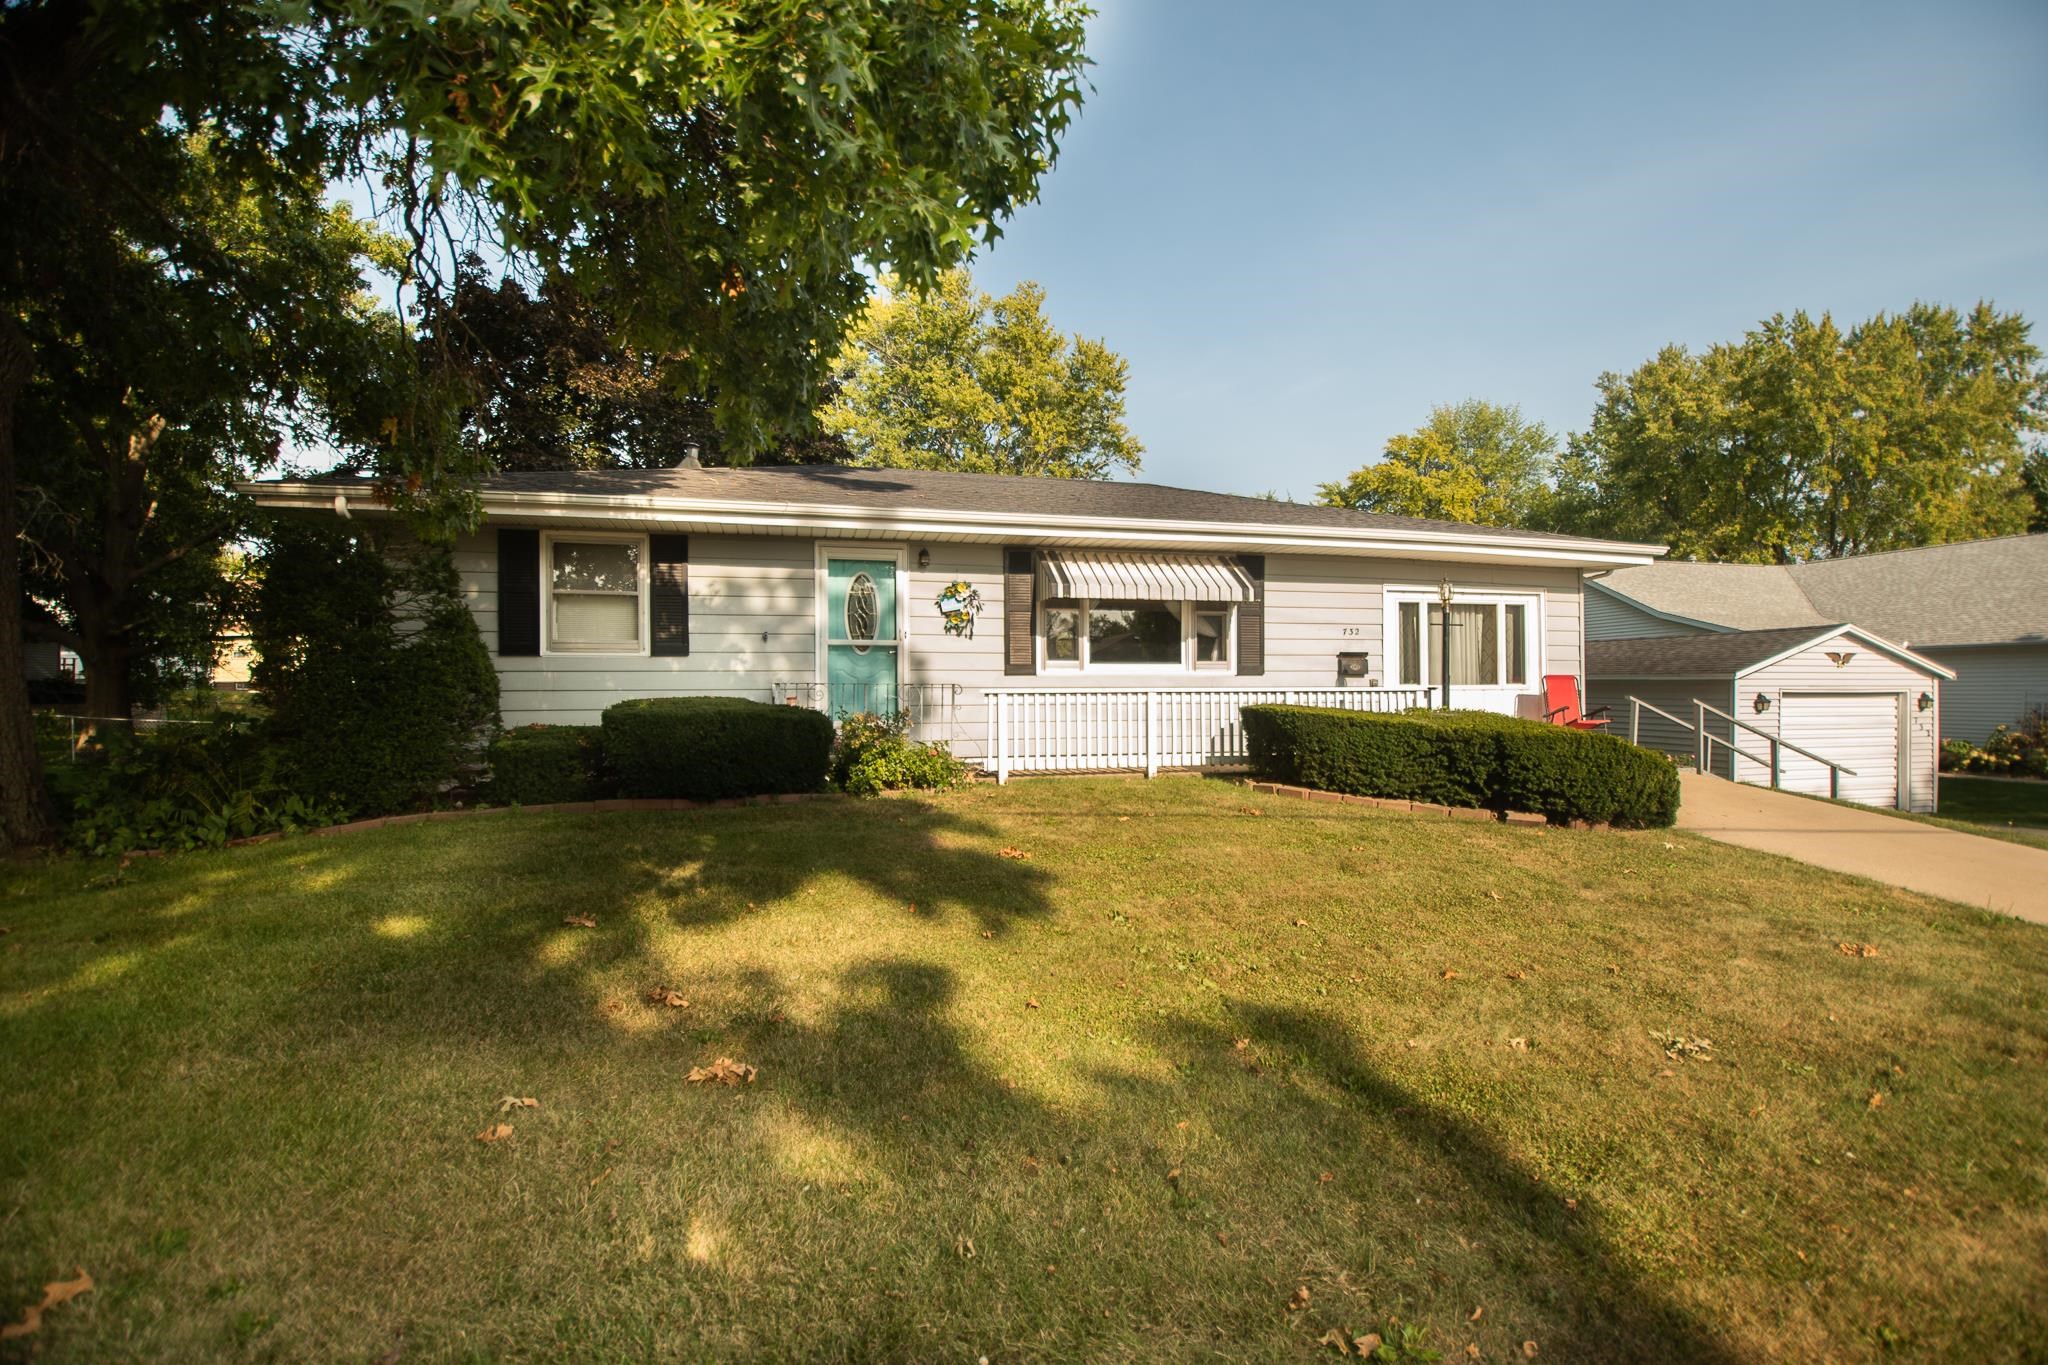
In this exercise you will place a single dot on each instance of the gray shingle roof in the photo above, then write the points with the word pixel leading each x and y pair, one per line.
pixel 1976 592
pixel 1719 655
pixel 947 491
pixel 1736 596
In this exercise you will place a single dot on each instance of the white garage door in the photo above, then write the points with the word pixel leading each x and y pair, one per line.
pixel 1859 730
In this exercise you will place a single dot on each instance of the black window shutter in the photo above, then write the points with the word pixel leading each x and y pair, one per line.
pixel 518 591
pixel 1020 612
pixel 669 575
pixel 1251 620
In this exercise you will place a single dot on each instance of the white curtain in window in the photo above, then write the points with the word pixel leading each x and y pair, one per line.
pixel 1475 643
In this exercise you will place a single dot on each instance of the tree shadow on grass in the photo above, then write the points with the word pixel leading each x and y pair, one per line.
pixel 1559 1254
pixel 923 855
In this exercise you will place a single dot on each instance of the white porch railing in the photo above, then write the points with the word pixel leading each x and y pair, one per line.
pixel 1038 729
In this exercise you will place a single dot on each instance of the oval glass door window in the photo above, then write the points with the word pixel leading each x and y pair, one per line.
pixel 863 612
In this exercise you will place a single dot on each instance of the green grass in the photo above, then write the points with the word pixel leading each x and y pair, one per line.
pixel 2012 810
pixel 242 1090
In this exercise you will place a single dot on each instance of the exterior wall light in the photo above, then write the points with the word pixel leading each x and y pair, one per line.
pixel 1762 703
pixel 924 558
pixel 1925 701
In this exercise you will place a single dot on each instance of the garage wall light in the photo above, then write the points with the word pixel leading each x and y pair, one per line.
pixel 1925 701
pixel 1762 703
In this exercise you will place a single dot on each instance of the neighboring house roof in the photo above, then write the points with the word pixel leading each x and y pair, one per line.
pixel 1975 592
pixel 1725 654
pixel 824 498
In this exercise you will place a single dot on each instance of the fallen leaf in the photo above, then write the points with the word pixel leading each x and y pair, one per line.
pixel 580 921
pixel 1032 1003
pixel 1529 1350
pixel 1449 975
pixel 1123 819
pixel 988 933
pixel 662 995
pixel 1519 1044
pixel 1240 1044
pixel 1667 1071
pixel 1494 894
pixel 1223 1239
pixel 1335 1338
pixel 1017 853
pixel 1856 949
pixel 1298 1300
pixel 1367 1344
pixel 1301 924
pixel 511 1102
pixel 1571 1203
pixel 1476 1312
pixel 1173 1174
pixel 1876 1098
pixel 1031 1164
pixel 725 1071
pixel 1517 976
pixel 496 1132
pixel 1325 1178
pixel 54 1293
pixel 1249 810
pixel 1614 970
pixel 1472 1350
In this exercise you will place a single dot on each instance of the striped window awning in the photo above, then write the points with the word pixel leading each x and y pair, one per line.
pixel 1146 577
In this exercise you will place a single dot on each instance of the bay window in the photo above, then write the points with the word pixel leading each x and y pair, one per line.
pixel 1136 635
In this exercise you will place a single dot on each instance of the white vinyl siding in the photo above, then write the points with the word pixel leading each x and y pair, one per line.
pixel 1995 685
pixel 1811 673
pixel 1610 618
pixel 752 624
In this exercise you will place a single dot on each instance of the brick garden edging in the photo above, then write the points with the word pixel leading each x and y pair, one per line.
pixel 1510 817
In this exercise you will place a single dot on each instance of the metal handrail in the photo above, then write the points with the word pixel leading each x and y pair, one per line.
pixel 1635 724
pixel 1704 741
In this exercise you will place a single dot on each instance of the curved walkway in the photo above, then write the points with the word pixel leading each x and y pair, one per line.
pixel 1990 873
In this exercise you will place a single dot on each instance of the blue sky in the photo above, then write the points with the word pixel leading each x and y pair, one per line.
pixel 1306 223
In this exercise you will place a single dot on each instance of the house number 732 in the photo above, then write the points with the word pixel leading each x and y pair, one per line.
pixel 1350 631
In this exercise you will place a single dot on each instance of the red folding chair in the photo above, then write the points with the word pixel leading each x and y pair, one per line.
pixel 1561 703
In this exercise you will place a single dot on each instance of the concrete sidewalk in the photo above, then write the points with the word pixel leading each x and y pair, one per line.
pixel 1927 858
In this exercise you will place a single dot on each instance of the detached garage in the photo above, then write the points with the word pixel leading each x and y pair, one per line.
pixel 1840 692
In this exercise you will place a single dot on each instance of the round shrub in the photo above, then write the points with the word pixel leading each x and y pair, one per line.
pixel 1465 758
pixel 875 754
pixel 705 748
pixel 538 765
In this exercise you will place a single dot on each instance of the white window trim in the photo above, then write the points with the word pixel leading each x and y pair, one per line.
pixel 821 625
pixel 1186 668
pixel 548 646
pixel 1535 603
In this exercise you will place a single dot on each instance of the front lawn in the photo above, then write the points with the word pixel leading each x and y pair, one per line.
pixel 1065 1069
pixel 2013 808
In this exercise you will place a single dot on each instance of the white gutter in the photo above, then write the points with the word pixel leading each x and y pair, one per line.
pixel 804 518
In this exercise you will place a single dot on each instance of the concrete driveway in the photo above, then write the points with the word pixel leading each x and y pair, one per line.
pixel 1927 858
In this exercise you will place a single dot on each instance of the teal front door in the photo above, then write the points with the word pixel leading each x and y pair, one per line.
pixel 861 641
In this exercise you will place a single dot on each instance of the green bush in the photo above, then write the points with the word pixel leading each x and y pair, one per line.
pixel 705 748
pixel 380 692
pixel 1465 758
pixel 875 754
pixel 2020 751
pixel 538 765
pixel 183 787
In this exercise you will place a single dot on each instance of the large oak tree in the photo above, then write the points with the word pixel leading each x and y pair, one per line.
pixel 722 170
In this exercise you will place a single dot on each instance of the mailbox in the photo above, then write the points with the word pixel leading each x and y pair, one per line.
pixel 1351 669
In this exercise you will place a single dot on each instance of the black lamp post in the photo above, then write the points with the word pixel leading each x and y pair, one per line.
pixel 1443 592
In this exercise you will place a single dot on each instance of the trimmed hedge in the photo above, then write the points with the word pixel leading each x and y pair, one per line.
pixel 707 748
pixel 539 765
pixel 1465 758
